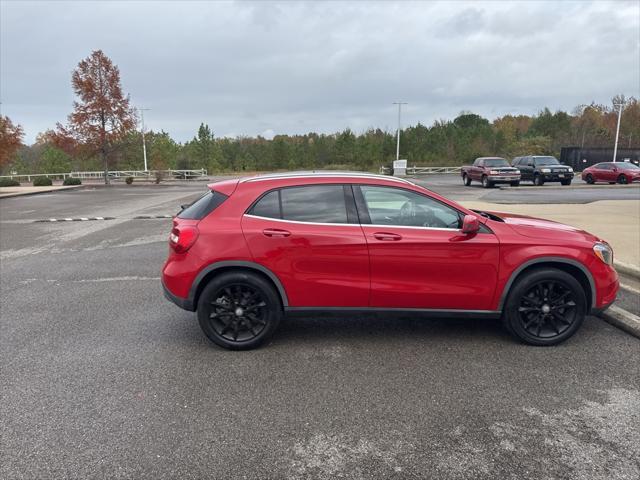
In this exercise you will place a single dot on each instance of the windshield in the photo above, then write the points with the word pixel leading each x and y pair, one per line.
pixel 496 162
pixel 546 161
pixel 628 166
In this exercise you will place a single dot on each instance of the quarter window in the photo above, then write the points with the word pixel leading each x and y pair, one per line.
pixel 394 206
pixel 268 206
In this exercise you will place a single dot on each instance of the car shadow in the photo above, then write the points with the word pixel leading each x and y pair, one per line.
pixel 375 327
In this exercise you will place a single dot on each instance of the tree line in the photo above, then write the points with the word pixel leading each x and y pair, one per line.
pixel 101 133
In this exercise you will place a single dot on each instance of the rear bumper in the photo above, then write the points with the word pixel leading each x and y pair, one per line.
pixel 184 303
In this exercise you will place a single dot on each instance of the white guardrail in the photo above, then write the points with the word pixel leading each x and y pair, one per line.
pixel 115 174
pixel 422 170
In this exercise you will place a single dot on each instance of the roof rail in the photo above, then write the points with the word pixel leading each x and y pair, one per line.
pixel 322 173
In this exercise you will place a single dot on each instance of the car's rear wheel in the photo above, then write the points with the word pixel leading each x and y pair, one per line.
pixel 485 182
pixel 538 181
pixel 589 179
pixel 545 307
pixel 622 179
pixel 466 180
pixel 239 310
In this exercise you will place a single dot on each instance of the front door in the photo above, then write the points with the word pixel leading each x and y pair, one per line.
pixel 309 237
pixel 419 257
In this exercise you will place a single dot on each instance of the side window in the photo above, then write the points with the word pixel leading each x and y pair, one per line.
pixel 530 162
pixel 606 166
pixel 395 206
pixel 314 203
pixel 477 163
pixel 268 206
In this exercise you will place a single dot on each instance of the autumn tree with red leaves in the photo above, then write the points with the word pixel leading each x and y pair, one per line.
pixel 10 139
pixel 102 115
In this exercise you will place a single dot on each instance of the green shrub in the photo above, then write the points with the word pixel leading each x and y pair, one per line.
pixel 42 182
pixel 72 181
pixel 9 182
pixel 128 180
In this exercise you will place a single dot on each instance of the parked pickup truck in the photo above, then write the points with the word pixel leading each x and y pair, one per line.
pixel 489 171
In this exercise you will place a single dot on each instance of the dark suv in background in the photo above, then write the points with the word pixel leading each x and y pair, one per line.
pixel 541 169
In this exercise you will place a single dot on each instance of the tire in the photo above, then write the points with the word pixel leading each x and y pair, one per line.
pixel 466 180
pixel 566 182
pixel 223 310
pixel 515 184
pixel 485 182
pixel 622 180
pixel 538 181
pixel 529 310
pixel 590 179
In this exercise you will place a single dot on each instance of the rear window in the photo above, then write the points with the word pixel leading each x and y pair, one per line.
pixel 203 206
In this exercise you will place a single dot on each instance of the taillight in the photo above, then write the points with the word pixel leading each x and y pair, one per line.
pixel 182 237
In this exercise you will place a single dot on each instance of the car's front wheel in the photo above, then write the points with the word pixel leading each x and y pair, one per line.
pixel 590 179
pixel 239 310
pixel 545 307
pixel 486 183
pixel 515 184
pixel 538 181
pixel 466 180
pixel 566 182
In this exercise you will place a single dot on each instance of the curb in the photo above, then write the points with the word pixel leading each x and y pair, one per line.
pixel 622 319
pixel 626 269
pixel 60 188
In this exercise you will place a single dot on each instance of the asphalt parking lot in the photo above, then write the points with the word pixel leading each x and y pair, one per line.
pixel 103 378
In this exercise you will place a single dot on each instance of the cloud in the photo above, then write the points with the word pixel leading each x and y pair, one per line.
pixel 253 67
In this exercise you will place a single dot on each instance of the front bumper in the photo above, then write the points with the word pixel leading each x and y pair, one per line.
pixel 503 178
pixel 557 177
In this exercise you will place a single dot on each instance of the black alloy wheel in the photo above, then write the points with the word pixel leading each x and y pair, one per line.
pixel 545 307
pixel 590 180
pixel 622 180
pixel 239 310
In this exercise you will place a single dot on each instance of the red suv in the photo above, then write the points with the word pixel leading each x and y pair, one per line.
pixel 251 250
pixel 612 172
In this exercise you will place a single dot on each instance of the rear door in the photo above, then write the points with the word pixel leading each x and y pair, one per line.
pixel 309 236
pixel 419 258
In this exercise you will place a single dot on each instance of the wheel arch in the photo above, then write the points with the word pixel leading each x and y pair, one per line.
pixel 217 268
pixel 570 266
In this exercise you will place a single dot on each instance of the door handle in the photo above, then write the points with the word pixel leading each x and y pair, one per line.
pixel 389 237
pixel 275 232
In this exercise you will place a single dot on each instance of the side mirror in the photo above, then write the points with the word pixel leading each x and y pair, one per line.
pixel 470 224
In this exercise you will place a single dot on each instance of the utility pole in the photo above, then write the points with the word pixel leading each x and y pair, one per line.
pixel 615 147
pixel 398 142
pixel 144 145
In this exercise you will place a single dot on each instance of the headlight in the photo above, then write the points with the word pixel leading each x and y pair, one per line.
pixel 546 170
pixel 517 172
pixel 603 252
pixel 570 169
pixel 493 172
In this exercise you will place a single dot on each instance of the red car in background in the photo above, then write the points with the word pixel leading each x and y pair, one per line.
pixel 612 172
pixel 251 250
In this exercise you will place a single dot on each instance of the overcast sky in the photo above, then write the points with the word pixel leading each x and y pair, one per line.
pixel 284 67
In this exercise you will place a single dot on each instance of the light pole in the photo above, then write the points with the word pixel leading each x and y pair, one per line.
pixel 615 147
pixel 144 144
pixel 398 141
